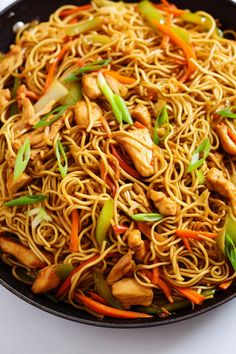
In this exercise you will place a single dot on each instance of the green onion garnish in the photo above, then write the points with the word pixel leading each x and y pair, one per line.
pixel 228 112
pixel 202 150
pixel 147 217
pixel 22 159
pixel 60 154
pixel 230 250
pixel 59 111
pixel 200 176
pixel 40 215
pixel 26 200
pixel 96 65
pixel 162 118
pixel 120 103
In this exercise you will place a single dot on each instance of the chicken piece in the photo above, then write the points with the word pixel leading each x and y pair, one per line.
pixel 227 143
pixel 23 254
pixel 11 61
pixel 216 181
pixel 141 113
pixel 5 96
pixel 90 87
pixel 51 131
pixel 121 268
pixel 129 292
pixel 82 117
pixel 165 205
pixel 116 86
pixel 141 155
pixel 14 186
pixel 136 244
pixel 46 280
pixel 140 195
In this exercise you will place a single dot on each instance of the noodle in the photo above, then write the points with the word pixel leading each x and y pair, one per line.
pixel 158 79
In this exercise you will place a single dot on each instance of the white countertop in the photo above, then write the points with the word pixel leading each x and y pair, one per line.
pixel 27 330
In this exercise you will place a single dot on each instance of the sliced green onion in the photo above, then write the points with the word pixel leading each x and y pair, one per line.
pixel 59 111
pixel 104 221
pixel 26 200
pixel 96 65
pixel 41 215
pixel 200 176
pixel 105 88
pixel 147 217
pixel 230 250
pixel 199 20
pixel 121 105
pixel 60 154
pixel 22 159
pixel 162 118
pixel 74 95
pixel 63 270
pixel 230 229
pixel 228 112
pixel 149 12
pixel 203 149
pixel 84 27
pixel 98 38
pixel 181 32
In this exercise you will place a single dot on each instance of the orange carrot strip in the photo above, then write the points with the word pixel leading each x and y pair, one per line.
pixel 97 297
pixel 73 21
pixel 225 285
pixel 69 12
pixel 147 273
pixel 146 230
pixel 67 282
pixel 121 78
pixel 186 48
pixel 106 178
pixel 187 245
pixel 75 229
pixel 166 38
pixel 139 125
pixel 190 294
pixel 53 67
pixel 120 229
pixel 170 9
pixel 155 276
pixel 107 310
pixel 166 289
pixel 195 234
pixel 166 3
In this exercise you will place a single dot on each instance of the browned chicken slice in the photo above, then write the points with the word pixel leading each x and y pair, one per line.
pixel 141 113
pixel 141 155
pixel 116 86
pixel 90 87
pixel 5 96
pixel 129 292
pixel 46 280
pixel 11 61
pixel 165 205
pixel 14 186
pixel 121 268
pixel 82 116
pixel 52 130
pixel 217 182
pixel 140 195
pixel 23 254
pixel 227 143
pixel 136 244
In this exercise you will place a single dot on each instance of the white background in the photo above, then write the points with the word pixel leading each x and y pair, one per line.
pixel 27 330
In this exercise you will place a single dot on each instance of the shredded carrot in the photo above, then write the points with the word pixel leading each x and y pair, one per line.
pixel 73 21
pixel 67 282
pixel 172 9
pixel 120 229
pixel 225 285
pixel 107 310
pixel 146 230
pixel 75 229
pixel 187 245
pixel 186 48
pixel 75 10
pixel 166 38
pixel 139 125
pixel 155 276
pixel 121 78
pixel 166 289
pixel 124 164
pixel 197 235
pixel 190 294
pixel 80 63
pixel 166 3
pixel 106 126
pixel 147 273
pixel 97 297
pixel 106 178
pixel 53 67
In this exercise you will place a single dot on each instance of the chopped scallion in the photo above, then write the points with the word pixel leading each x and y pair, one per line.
pixel 61 155
pixel 22 159
pixel 26 200
pixel 202 150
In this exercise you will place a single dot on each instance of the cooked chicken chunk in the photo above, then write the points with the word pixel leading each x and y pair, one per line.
pixel 227 143
pixel 21 253
pixel 121 268
pixel 14 186
pixel 90 87
pixel 140 195
pixel 5 96
pixel 129 292
pixel 141 113
pixel 116 86
pixel 11 61
pixel 83 117
pixel 46 280
pixel 165 205
pixel 141 155
pixel 136 243
pixel 51 131
pixel 217 182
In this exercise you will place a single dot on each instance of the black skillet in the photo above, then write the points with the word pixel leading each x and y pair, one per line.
pixel 27 10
